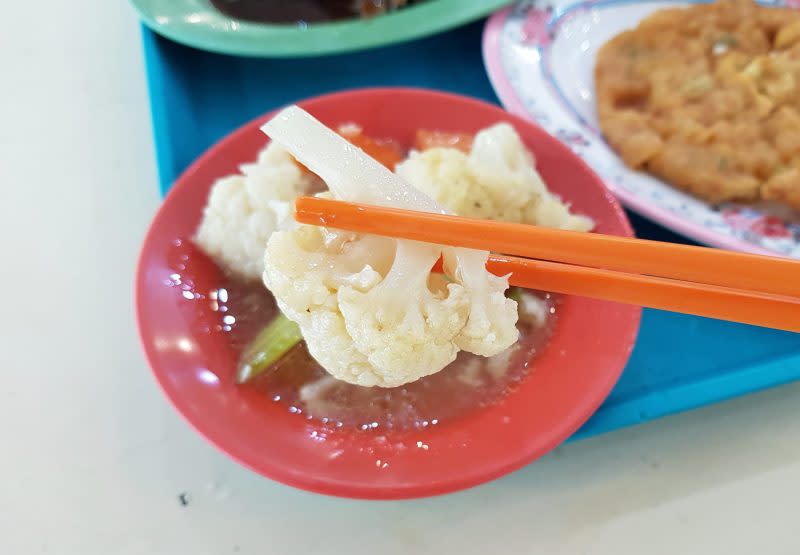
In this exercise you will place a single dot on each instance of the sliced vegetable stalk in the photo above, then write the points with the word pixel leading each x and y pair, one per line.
pixel 269 346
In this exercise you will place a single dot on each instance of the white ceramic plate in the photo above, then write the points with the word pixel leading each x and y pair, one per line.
pixel 540 56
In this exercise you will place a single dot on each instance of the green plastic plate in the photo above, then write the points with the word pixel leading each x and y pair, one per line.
pixel 197 23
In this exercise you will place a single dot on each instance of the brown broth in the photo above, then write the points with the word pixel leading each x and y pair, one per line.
pixel 469 383
pixel 302 11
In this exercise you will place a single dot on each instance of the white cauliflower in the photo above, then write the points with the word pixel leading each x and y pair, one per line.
pixel 347 297
pixel 491 322
pixel 244 210
pixel 497 180
pixel 369 308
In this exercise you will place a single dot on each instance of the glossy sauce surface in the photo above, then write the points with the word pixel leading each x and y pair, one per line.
pixel 296 11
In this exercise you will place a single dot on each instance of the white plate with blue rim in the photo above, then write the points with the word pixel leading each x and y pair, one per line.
pixel 540 56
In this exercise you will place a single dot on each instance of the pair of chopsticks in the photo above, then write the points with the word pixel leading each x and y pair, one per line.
pixel 747 288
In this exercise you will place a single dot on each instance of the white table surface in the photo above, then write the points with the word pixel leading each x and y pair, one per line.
pixel 93 459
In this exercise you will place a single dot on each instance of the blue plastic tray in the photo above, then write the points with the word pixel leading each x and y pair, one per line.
pixel 680 362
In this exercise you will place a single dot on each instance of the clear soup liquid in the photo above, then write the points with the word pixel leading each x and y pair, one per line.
pixel 303 387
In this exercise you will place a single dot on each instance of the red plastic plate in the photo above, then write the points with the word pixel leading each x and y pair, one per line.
pixel 571 376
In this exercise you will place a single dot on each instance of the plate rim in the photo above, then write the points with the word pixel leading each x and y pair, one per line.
pixel 495 70
pixel 289 41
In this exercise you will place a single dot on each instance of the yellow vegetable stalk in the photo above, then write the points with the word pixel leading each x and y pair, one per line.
pixel 269 346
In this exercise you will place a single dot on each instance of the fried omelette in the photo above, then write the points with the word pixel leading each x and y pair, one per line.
pixel 708 99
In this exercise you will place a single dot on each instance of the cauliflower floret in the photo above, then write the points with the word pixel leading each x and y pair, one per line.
pixel 308 266
pixel 244 210
pixel 497 180
pixel 492 316
pixel 324 280
pixel 369 309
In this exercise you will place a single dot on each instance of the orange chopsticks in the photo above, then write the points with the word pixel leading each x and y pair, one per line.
pixel 724 303
pixel 698 264
pixel 752 289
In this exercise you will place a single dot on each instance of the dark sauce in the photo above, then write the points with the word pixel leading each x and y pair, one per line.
pixel 235 311
pixel 304 11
